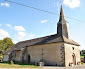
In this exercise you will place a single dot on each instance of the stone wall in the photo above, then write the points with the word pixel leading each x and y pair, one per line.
pixel 52 53
pixel 24 55
pixel 69 51
pixel 18 56
pixel 59 54
pixel 5 58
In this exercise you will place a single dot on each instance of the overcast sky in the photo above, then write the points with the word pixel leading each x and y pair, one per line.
pixel 23 23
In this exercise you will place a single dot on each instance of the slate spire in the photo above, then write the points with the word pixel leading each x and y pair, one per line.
pixel 62 26
pixel 62 18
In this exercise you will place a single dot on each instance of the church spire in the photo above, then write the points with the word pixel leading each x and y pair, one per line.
pixel 62 18
pixel 62 26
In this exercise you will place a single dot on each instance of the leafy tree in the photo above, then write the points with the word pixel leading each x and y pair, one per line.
pixel 1 42
pixel 5 44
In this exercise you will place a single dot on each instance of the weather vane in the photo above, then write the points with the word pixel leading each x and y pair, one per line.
pixel 61 2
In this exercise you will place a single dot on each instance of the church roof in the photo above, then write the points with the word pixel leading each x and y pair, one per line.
pixel 43 40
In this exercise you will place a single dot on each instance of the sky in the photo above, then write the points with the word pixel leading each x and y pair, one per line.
pixel 22 23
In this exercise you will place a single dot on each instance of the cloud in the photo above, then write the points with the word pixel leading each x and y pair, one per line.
pixel 51 33
pixel 14 41
pixel 30 36
pixel 8 25
pixel 44 21
pixel 19 28
pixel 21 36
pixel 3 34
pixel 0 24
pixel 72 3
pixel 5 4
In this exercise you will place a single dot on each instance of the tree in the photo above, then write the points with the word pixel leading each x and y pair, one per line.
pixel 5 44
pixel 1 41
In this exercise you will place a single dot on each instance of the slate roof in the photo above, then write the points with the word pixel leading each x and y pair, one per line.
pixel 43 40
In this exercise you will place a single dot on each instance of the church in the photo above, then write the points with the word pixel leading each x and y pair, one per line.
pixel 57 49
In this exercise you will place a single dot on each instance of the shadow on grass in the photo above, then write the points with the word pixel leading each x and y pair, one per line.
pixel 23 63
pixel 17 63
pixel 5 62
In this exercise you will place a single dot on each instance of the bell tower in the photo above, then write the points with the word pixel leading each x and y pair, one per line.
pixel 62 25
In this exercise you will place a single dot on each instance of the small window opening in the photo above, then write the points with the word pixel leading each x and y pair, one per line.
pixel 73 48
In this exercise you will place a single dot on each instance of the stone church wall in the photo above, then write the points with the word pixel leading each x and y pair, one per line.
pixel 24 55
pixel 69 51
pixel 18 56
pixel 52 53
pixel 5 58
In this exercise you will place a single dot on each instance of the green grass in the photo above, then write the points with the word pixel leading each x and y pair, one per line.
pixel 81 56
pixel 8 65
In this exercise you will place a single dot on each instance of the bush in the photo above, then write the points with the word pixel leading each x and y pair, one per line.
pixel 81 62
pixel 11 62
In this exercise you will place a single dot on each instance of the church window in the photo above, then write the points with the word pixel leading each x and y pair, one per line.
pixel 73 48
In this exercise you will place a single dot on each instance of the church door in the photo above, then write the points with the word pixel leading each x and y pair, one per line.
pixel 28 58
pixel 74 59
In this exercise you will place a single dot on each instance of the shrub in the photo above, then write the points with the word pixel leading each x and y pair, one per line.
pixel 11 62
pixel 81 62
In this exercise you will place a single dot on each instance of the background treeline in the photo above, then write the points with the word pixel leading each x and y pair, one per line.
pixel 5 45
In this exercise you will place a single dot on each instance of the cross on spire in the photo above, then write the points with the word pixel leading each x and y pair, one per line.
pixel 61 2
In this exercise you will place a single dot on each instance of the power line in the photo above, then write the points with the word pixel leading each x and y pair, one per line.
pixel 43 10
pixel 32 7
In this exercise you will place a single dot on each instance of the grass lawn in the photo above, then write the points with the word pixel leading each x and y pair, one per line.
pixel 8 65
pixel 81 56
